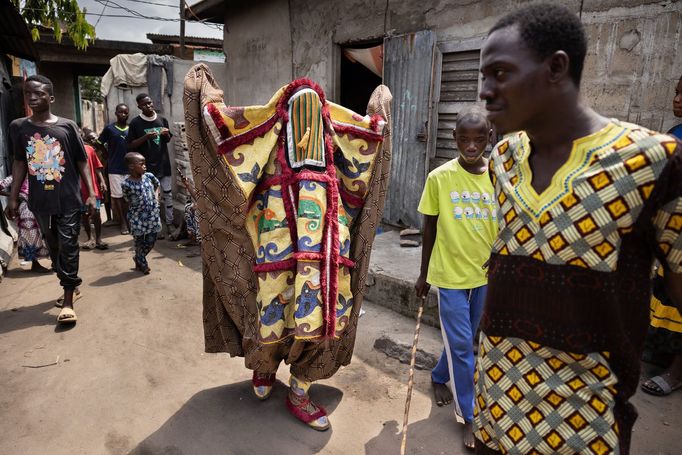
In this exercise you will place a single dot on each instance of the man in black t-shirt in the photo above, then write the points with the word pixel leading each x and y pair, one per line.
pixel 149 135
pixel 50 151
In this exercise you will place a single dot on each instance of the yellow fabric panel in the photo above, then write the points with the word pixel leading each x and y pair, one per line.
pixel 343 303
pixel 255 115
pixel 344 115
pixel 274 296
pixel 665 317
pixel 308 284
pixel 361 164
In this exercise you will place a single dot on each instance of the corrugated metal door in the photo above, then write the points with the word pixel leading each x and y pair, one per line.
pixel 408 69
pixel 457 89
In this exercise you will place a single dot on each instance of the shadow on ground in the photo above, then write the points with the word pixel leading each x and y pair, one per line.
pixel 229 419
pixel 389 439
pixel 23 317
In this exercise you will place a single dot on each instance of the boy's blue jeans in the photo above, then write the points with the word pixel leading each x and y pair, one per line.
pixel 460 312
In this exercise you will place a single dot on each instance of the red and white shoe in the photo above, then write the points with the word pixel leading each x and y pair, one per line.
pixel 309 413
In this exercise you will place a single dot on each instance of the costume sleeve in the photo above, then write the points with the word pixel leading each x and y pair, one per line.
pixel 6 183
pixel 14 142
pixel 667 220
pixel 428 204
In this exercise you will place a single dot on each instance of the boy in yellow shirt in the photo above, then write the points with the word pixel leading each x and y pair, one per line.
pixel 460 225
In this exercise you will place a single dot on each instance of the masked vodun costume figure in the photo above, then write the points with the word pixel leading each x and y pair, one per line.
pixel 289 197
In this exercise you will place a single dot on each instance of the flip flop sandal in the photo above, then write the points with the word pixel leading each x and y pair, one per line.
pixel 317 420
pixel 102 246
pixel 125 232
pixel 659 387
pixel 67 316
pixel 60 301
pixel 263 385
pixel 88 246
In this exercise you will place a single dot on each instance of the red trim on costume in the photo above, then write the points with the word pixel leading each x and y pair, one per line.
pixel 374 122
pixel 308 256
pixel 330 264
pixel 233 142
pixel 347 262
pixel 286 264
pixel 218 121
pixel 351 198
pixel 313 176
pixel 355 131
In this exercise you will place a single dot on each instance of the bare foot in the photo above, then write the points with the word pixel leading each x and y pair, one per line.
pixel 468 436
pixel 441 393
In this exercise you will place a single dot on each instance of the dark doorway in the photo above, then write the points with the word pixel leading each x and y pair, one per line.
pixel 357 80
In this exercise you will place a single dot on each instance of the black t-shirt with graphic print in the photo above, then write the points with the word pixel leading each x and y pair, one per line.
pixel 155 150
pixel 51 153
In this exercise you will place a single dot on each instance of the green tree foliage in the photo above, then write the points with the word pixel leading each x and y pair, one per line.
pixel 60 15
pixel 89 86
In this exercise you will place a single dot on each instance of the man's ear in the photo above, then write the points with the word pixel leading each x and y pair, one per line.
pixel 52 99
pixel 558 65
pixel 490 135
pixel 454 134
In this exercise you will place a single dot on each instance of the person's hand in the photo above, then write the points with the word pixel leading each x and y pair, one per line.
pixel 421 287
pixel 151 134
pixel 103 187
pixel 11 210
pixel 165 132
pixel 91 203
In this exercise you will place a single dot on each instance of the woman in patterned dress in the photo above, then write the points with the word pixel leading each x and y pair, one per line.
pixel 31 245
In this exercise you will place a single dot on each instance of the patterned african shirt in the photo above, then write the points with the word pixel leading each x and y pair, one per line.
pixel 143 206
pixel 568 294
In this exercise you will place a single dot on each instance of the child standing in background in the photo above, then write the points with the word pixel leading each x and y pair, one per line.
pixel 460 225
pixel 140 190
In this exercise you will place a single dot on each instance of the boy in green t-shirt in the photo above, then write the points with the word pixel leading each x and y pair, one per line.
pixel 460 225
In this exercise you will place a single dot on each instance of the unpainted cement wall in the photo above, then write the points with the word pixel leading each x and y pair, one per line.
pixel 634 56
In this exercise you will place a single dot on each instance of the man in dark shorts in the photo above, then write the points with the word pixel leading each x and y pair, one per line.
pixel 51 151
pixel 115 138
pixel 585 204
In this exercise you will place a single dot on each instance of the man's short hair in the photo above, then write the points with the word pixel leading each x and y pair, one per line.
pixel 473 113
pixel 43 80
pixel 140 97
pixel 546 29
pixel 120 105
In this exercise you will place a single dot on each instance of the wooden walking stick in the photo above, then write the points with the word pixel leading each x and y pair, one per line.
pixel 410 380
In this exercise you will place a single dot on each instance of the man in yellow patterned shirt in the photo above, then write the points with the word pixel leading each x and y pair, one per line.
pixel 586 203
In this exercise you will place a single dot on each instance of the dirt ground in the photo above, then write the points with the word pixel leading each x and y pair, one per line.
pixel 132 377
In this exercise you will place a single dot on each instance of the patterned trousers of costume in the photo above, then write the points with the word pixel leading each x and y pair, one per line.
pixel 143 245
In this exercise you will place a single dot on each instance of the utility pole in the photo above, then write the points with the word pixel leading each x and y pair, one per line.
pixel 182 28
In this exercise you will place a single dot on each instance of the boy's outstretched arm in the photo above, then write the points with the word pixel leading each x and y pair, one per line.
pixel 428 240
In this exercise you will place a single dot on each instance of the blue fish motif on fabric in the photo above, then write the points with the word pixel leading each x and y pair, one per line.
pixel 308 300
pixel 262 200
pixel 251 177
pixel 344 248
pixel 351 211
pixel 269 253
pixel 274 312
pixel 345 165
pixel 311 185
pixel 305 243
pixel 345 304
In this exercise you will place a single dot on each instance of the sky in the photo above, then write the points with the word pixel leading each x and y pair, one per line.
pixel 130 28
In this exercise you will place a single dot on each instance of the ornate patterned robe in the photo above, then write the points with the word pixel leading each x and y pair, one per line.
pixel 290 194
